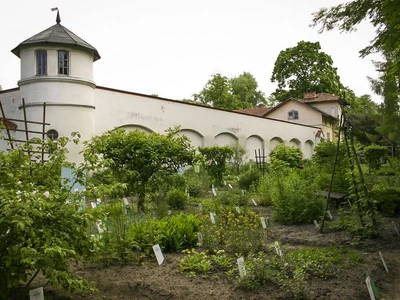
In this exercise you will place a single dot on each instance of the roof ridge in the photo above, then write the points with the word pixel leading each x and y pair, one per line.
pixel 66 31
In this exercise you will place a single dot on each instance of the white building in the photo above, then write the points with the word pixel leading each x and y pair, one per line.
pixel 57 69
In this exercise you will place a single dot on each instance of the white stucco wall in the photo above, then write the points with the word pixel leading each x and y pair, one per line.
pixel 116 109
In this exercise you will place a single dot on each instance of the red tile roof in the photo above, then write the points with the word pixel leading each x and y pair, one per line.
pixel 258 111
pixel 320 97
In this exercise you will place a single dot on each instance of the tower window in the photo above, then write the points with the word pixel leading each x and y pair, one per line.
pixel 52 134
pixel 41 62
pixel 293 115
pixel 63 62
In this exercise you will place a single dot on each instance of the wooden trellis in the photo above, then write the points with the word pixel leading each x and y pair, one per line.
pixel 26 130
pixel 261 160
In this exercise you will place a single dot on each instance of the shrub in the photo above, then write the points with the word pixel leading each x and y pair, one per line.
pixel 375 155
pixel 232 197
pixel 295 197
pixel 176 198
pixel 290 156
pixel 387 197
pixel 249 178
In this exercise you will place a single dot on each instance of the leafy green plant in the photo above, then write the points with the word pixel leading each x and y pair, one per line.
pixel 176 198
pixel 42 223
pixel 289 156
pixel 249 178
pixel 195 261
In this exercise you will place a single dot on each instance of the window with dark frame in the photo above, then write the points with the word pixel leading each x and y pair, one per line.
pixel 293 115
pixel 63 62
pixel 41 62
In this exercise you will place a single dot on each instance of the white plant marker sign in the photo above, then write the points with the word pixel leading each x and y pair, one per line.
pixel 369 287
pixel 158 253
pixel 254 202
pixel 238 209
pixel 224 182
pixel 230 185
pixel 200 207
pixel 395 227
pixel 169 212
pixel 316 224
pixel 99 228
pixel 212 218
pixel 383 262
pixel 263 222
pixel 277 247
pixel 36 294
pixel 241 267
pixel 126 201
pixel 93 204
pixel 200 238
pixel 280 252
pixel 214 191
pixel 329 214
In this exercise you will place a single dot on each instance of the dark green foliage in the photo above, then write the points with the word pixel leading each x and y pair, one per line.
pixel 235 93
pixel 249 178
pixel 215 161
pixel 304 68
pixel 387 196
pixel 139 159
pixel 198 181
pixel 176 198
pixel 294 196
pixel 375 155
pixel 232 197
pixel 286 155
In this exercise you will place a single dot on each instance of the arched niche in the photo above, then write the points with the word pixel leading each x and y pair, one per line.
pixel 308 149
pixel 132 127
pixel 295 143
pixel 254 142
pixel 225 139
pixel 196 138
pixel 274 142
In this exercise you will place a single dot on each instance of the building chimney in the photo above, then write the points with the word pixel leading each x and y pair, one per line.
pixel 310 95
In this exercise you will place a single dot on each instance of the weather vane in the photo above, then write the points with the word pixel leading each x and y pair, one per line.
pixel 58 19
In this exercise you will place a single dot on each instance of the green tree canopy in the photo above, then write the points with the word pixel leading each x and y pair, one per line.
pixel 304 68
pixel 215 160
pixel 137 158
pixel 231 93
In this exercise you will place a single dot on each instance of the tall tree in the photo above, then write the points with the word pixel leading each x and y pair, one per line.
pixel 384 16
pixel 231 93
pixel 304 68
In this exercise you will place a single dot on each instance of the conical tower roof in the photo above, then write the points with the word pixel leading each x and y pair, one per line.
pixel 57 34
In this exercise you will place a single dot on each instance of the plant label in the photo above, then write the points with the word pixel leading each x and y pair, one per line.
pixel 263 222
pixel 242 192
pixel 212 218
pixel 158 253
pixel 237 177
pixel 280 252
pixel 329 214
pixel 372 289
pixel 348 201
pixel 169 212
pixel 277 247
pixel 197 169
pixel 224 182
pixel 241 267
pixel 230 185
pixel 99 225
pixel 200 207
pixel 93 204
pixel 126 201
pixel 188 195
pixel 316 224
pixel 214 192
pixel 395 228
pixel 36 294
pixel 200 238
pixel 254 202
pixel 98 200
pixel 238 209
pixel 383 262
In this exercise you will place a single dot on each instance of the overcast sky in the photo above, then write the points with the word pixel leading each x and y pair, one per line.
pixel 171 48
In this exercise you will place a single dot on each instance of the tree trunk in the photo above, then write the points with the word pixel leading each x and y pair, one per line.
pixel 142 195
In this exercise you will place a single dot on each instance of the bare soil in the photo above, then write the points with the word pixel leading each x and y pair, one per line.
pixel 148 280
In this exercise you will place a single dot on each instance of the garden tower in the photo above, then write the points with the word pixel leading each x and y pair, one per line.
pixel 57 69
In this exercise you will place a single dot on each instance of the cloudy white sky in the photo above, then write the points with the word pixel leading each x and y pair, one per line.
pixel 171 48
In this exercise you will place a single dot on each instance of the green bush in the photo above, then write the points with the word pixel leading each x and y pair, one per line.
pixel 375 155
pixel 387 197
pixel 232 197
pixel 295 197
pixel 176 198
pixel 249 178
pixel 289 156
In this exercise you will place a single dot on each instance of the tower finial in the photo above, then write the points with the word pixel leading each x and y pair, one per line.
pixel 58 19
